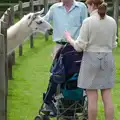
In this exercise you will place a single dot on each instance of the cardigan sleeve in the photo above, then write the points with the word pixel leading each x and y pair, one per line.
pixel 81 43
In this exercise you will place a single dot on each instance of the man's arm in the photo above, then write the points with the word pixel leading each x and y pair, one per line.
pixel 49 16
pixel 84 13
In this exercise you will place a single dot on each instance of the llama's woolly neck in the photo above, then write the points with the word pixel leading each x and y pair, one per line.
pixel 18 32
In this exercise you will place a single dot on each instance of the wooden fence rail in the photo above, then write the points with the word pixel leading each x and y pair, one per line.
pixel 3 71
pixel 20 16
pixel 3 105
pixel 32 10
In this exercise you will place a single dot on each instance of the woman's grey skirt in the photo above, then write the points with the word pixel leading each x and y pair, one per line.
pixel 97 71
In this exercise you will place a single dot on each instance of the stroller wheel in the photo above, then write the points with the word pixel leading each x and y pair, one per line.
pixel 45 117
pixel 39 117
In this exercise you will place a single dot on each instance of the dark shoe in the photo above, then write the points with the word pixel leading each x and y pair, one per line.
pixel 52 114
pixel 46 109
pixel 51 107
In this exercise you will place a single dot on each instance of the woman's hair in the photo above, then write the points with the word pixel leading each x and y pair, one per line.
pixel 100 5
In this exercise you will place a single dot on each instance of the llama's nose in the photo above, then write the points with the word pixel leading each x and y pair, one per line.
pixel 50 31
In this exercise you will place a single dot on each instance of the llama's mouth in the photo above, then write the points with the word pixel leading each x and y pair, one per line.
pixel 50 31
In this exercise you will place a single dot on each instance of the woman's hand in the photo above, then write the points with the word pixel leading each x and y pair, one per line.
pixel 67 36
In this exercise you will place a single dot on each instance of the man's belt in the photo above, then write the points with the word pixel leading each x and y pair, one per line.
pixel 60 42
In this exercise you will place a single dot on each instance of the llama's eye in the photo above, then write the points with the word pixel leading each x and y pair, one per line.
pixel 29 17
pixel 39 22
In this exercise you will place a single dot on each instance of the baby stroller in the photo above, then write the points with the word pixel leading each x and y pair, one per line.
pixel 70 101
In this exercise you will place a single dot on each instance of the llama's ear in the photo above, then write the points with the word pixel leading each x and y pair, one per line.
pixel 39 13
pixel 42 11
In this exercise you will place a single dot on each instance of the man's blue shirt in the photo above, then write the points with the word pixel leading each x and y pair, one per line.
pixel 63 20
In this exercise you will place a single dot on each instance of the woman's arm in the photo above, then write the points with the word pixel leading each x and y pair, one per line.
pixel 81 43
pixel 69 38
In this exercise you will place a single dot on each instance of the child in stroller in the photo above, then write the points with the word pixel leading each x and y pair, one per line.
pixel 64 72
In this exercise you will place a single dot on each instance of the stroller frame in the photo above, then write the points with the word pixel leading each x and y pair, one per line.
pixel 75 110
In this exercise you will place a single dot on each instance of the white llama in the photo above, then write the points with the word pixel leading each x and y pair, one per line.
pixel 32 22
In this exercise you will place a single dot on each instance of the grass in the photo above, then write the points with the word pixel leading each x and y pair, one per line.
pixel 31 75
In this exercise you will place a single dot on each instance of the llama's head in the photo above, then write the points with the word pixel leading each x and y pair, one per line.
pixel 38 24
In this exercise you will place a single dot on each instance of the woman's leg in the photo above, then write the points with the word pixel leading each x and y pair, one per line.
pixel 108 105
pixel 92 104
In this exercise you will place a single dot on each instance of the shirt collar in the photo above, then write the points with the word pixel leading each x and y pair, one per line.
pixel 74 4
pixel 60 4
pixel 94 12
